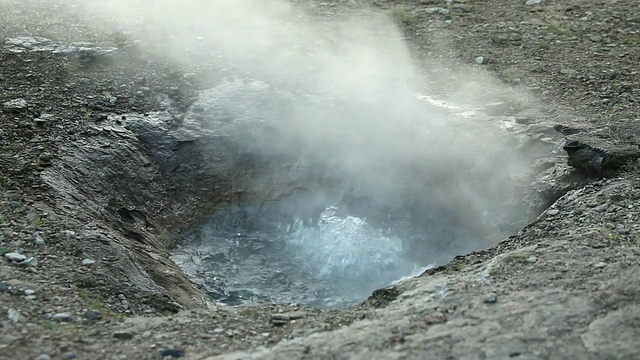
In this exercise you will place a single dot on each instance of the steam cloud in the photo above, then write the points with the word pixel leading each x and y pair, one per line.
pixel 361 110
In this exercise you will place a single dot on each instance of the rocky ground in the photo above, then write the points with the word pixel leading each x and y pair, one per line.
pixel 566 286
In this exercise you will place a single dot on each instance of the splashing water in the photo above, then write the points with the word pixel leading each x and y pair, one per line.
pixel 336 262
pixel 346 250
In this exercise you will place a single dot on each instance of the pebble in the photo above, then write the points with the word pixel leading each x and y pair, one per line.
pixel 13 315
pixel 62 317
pixel 123 335
pixel 491 299
pixel 176 353
pixel 533 2
pixel 32 261
pixel 600 265
pixel 553 212
pixel 44 159
pixel 92 315
pixel 88 262
pixel 3 287
pixel 218 331
pixel 15 257
pixel 43 357
pixel 479 60
pixel 39 240
pixel 29 292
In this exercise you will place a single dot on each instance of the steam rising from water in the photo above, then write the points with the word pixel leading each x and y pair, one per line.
pixel 359 113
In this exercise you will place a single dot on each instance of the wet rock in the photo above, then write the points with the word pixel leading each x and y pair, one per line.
pixel 15 257
pixel 14 106
pixel 62 317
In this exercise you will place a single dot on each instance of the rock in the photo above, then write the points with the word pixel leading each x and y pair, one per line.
pixel 44 159
pixel 3 287
pixel 597 156
pixel 15 257
pixel 600 265
pixel 14 106
pixel 29 292
pixel 62 317
pixel 43 357
pixel 533 2
pixel 92 315
pixel 553 212
pixel 32 261
pixel 88 262
pixel 218 331
pixel 176 353
pixel 436 10
pixel 13 315
pixel 491 299
pixel 123 335
pixel 437 318
pixel 39 240
pixel 479 60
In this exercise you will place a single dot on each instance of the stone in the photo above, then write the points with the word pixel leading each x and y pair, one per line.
pixel 491 299
pixel 175 353
pixel 88 262
pixel 553 212
pixel 123 335
pixel 92 315
pixel 479 60
pixel 13 315
pixel 600 265
pixel 39 240
pixel 30 262
pixel 14 106
pixel 3 287
pixel 218 331
pixel 437 318
pixel 15 257
pixel 43 357
pixel 29 292
pixel 533 2
pixel 436 10
pixel 62 317
pixel 44 159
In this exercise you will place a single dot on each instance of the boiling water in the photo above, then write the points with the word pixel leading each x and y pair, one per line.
pixel 334 261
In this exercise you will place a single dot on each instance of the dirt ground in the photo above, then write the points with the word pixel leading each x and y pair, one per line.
pixel 565 287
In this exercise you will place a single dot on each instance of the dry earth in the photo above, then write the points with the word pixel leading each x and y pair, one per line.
pixel 565 287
